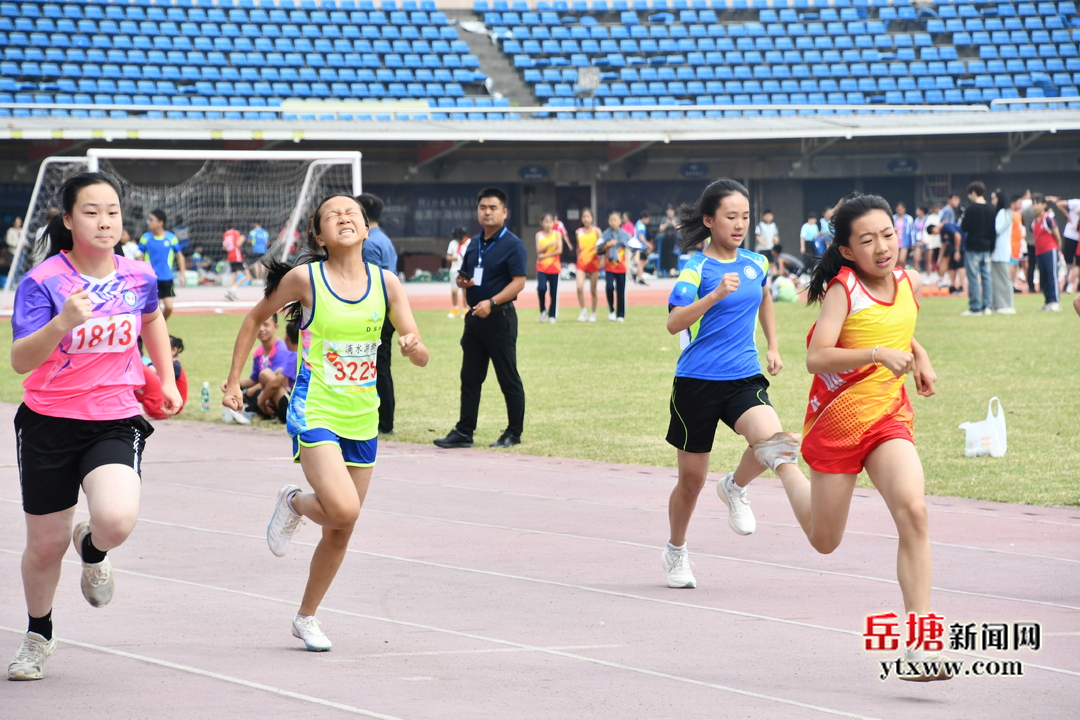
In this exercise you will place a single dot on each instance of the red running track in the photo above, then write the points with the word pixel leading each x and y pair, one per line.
pixel 486 584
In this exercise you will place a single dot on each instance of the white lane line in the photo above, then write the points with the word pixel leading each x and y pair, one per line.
pixel 430 628
pixel 218 676
pixel 763 563
pixel 705 514
pixel 483 651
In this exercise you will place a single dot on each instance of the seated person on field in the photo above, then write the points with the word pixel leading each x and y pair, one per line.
pixel 277 385
pixel 149 395
pixel 270 356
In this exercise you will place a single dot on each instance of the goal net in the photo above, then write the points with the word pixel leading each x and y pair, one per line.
pixel 201 197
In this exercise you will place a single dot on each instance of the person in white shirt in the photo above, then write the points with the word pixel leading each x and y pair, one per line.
pixel 1070 237
pixel 765 234
pixel 129 247
pixel 454 253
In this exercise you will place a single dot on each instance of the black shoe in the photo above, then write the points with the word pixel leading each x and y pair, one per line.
pixel 454 439
pixel 506 440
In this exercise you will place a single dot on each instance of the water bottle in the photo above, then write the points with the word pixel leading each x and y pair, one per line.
pixel 206 397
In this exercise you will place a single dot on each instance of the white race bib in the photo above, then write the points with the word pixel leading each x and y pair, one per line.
pixel 349 362
pixel 104 335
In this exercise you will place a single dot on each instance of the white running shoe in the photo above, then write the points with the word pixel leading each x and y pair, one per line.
pixel 543 317
pixel 968 313
pixel 611 316
pixel 592 317
pixel 31 657
pixel 284 523
pixel 98 581
pixel 740 516
pixel 927 663
pixel 307 629
pixel 1007 311
pixel 783 447
pixel 231 295
pixel 1054 307
pixel 677 567
pixel 619 319
pixel 551 319
pixel 987 311
pixel 583 316
pixel 228 415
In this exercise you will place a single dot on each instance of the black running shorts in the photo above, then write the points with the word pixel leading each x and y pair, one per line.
pixel 698 405
pixel 55 454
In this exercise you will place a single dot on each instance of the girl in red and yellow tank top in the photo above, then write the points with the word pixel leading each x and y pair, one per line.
pixel 548 264
pixel 859 416
pixel 588 264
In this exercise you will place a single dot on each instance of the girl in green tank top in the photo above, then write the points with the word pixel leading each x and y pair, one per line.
pixel 341 303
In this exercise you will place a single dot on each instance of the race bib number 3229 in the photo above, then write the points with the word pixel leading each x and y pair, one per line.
pixel 104 335
pixel 350 363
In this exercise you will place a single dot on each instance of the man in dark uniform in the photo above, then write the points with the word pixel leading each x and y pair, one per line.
pixel 492 274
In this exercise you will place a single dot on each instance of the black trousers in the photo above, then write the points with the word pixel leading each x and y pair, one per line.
pixel 616 292
pixel 494 339
pixel 384 378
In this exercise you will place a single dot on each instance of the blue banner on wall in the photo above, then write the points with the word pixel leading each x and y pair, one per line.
pixel 903 166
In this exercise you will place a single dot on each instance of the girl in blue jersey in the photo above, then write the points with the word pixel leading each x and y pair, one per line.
pixel 713 307
pixel 341 303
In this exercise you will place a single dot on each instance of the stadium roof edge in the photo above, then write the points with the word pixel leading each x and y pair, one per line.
pixel 545 130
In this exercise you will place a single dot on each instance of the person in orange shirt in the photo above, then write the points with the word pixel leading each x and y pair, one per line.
pixel 588 263
pixel 549 244
pixel 1019 233
pixel 859 416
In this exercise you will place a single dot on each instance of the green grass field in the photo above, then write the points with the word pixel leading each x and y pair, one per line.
pixel 600 391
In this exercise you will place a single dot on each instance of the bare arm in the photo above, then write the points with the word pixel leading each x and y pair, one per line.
pixel 294 287
pixel 915 279
pixel 155 336
pixel 824 357
pixel 401 315
pixel 681 318
pixel 27 353
pixel 767 318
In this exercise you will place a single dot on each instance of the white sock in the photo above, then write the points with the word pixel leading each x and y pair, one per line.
pixel 673 549
pixel 288 501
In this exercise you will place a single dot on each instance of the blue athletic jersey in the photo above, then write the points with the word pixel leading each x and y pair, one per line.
pixel 720 345
pixel 258 238
pixel 160 253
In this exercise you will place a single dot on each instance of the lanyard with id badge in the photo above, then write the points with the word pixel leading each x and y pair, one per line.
pixel 478 271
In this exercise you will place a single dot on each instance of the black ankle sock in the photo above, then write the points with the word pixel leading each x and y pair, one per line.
pixel 42 625
pixel 91 554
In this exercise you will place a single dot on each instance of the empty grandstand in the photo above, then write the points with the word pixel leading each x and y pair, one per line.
pixel 269 60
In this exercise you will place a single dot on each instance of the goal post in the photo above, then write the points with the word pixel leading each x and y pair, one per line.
pixel 231 188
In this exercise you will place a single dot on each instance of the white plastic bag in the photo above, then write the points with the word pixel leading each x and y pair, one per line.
pixel 986 437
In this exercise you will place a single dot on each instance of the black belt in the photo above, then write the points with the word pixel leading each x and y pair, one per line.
pixel 500 308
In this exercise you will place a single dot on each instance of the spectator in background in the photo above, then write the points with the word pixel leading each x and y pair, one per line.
pixel 641 246
pixel 917 232
pixel 904 225
pixel 548 264
pixel 1047 246
pixel 459 242
pixel 378 250
pixel 161 249
pixel 588 264
pixel 667 240
pixel 1002 298
pixel 808 234
pixel 259 238
pixel 274 398
pixel 932 243
pixel 1027 215
pixel 613 246
pixel 150 395
pixel 202 267
pixel 1069 209
pixel 129 247
pixel 493 273
pixel 979 240
pixel 233 242
pixel 766 234
pixel 627 224
pixel 180 230
pixel 14 233
pixel 1017 244
pixel 270 357
pixel 558 226
pixel 951 212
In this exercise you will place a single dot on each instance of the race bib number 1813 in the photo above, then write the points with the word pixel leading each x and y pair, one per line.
pixel 104 335
pixel 349 362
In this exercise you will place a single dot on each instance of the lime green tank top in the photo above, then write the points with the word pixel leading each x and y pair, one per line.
pixel 335 371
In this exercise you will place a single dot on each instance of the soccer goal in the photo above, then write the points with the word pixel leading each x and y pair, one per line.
pixel 203 193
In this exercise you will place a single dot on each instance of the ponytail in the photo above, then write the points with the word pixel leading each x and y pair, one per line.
pixel 57 236
pixel 691 217
pixel 829 267
pixel 310 252
pixel 850 209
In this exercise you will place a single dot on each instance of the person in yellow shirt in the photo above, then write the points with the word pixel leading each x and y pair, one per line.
pixel 549 247
pixel 588 264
